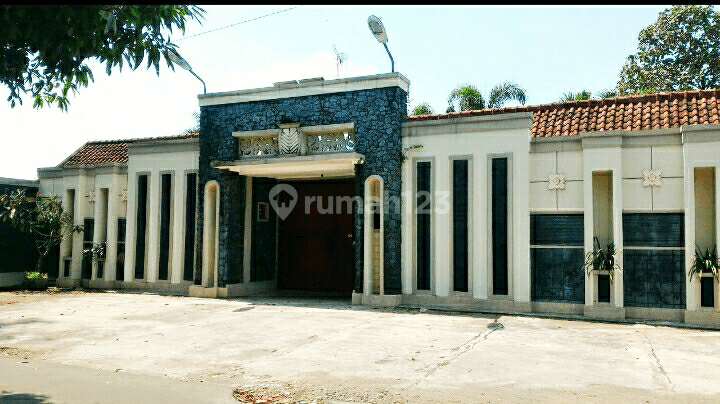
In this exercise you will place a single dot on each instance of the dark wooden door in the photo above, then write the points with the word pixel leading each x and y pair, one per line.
pixel 315 242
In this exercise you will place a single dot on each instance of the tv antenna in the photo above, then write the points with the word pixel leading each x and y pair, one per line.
pixel 340 58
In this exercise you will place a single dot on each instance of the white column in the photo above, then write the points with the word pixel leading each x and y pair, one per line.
pixel 112 230
pixel 520 215
pixel 177 243
pixel 153 228
pixel 408 241
pixel 441 226
pixel 692 289
pixel 480 229
pixel 81 211
pixel 588 225
pixel 131 217
pixel 617 208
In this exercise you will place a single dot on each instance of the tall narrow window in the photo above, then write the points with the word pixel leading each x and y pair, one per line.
pixel 190 206
pixel 423 208
pixel 141 227
pixel 165 207
pixel 460 225
pixel 120 262
pixel 500 225
pixel 88 234
pixel 68 251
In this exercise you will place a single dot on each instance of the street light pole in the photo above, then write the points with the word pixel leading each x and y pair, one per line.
pixel 201 80
pixel 378 30
pixel 392 62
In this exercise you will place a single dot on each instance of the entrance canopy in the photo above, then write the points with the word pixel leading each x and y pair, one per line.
pixel 330 165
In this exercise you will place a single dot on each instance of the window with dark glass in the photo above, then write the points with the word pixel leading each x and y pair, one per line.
pixel 500 225
pixel 120 261
pixel 165 208
pixel 423 209
pixel 190 206
pixel 141 226
pixel 460 225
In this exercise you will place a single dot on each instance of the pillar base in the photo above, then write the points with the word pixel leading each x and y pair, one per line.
pixel 378 300
pixel 201 291
pixel 703 318
pixel 604 312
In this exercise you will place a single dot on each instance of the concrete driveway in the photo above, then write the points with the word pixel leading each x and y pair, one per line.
pixel 329 351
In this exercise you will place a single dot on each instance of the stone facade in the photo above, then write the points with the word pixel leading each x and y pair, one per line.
pixel 378 115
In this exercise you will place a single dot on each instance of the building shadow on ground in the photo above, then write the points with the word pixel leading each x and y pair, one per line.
pixel 7 397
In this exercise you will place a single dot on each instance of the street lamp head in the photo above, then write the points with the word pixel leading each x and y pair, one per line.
pixel 377 29
pixel 178 60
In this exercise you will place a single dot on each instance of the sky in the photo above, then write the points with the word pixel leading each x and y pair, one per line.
pixel 548 51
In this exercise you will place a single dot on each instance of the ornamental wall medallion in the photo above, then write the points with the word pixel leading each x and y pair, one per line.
pixel 652 178
pixel 91 196
pixel 556 181
pixel 123 195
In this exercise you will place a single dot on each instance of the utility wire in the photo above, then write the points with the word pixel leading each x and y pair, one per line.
pixel 237 23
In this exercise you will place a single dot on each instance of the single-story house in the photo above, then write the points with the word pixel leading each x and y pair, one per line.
pixel 328 186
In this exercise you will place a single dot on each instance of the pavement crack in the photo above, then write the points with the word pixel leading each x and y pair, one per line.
pixel 461 349
pixel 657 362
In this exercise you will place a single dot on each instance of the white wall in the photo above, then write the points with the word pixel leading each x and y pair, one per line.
pixel 701 148
pixel 86 181
pixel 478 139
pixel 155 160
pixel 567 163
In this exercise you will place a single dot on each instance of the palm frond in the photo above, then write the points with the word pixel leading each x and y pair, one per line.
pixel 607 93
pixel 504 92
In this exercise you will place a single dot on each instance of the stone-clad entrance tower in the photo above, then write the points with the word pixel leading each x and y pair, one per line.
pixel 327 139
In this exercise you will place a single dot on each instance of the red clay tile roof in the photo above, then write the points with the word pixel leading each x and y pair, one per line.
pixel 105 152
pixel 630 113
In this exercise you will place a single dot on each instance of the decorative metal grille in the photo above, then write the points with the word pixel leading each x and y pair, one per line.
pixel 259 146
pixel 340 142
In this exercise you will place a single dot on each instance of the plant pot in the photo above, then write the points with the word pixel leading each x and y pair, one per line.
pixel 603 286
pixel 36 284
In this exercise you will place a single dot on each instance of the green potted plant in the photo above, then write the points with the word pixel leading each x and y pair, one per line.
pixel 36 281
pixel 705 263
pixel 602 261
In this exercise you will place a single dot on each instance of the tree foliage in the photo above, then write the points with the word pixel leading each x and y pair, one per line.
pixel 467 97
pixel 43 218
pixel 587 95
pixel 44 49
pixel 680 51
pixel 423 109
pixel 570 96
